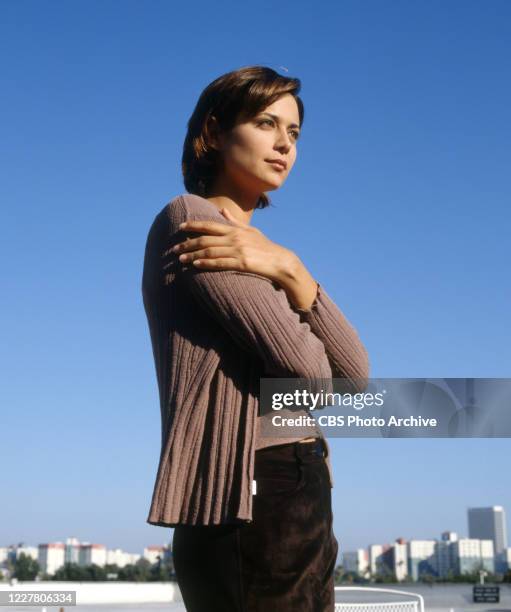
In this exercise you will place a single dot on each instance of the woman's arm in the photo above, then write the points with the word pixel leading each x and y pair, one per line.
pixel 253 310
pixel 346 353
pixel 227 244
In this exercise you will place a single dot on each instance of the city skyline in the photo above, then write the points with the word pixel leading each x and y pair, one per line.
pixel 449 555
pixel 387 542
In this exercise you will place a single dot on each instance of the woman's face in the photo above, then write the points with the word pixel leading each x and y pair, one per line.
pixel 246 149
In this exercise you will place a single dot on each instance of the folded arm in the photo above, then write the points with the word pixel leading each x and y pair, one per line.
pixel 347 355
pixel 255 312
pixel 259 319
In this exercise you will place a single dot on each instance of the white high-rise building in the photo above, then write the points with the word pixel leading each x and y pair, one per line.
pixel 488 555
pixel 151 553
pixel 28 551
pixel 118 557
pixel 400 559
pixel 506 559
pixel 421 558
pixel 376 552
pixel 357 562
pixel 92 554
pixel 471 554
pixel 72 550
pixel 51 557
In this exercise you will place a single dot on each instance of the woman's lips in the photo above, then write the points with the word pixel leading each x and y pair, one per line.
pixel 277 165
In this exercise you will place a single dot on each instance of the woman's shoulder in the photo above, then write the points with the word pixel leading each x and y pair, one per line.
pixel 193 206
pixel 189 207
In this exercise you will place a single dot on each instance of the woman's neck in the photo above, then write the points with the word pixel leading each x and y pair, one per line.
pixel 240 205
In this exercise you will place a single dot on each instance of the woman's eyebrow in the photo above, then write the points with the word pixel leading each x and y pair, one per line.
pixel 277 119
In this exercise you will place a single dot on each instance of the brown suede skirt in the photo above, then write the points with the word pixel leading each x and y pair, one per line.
pixel 284 560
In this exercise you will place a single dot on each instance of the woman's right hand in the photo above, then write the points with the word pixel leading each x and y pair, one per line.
pixel 239 247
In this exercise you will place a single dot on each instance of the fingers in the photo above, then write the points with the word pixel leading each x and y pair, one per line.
pixel 196 243
pixel 208 253
pixel 220 263
pixel 210 227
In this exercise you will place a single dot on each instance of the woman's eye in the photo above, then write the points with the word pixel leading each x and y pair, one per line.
pixel 295 133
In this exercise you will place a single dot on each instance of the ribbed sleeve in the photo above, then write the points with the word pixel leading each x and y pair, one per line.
pixel 347 355
pixel 257 315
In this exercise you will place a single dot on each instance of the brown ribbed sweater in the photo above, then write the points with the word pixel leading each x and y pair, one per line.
pixel 214 334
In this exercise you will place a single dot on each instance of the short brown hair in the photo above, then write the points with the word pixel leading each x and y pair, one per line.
pixel 236 95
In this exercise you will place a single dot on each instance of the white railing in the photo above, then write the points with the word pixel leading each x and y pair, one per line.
pixel 414 605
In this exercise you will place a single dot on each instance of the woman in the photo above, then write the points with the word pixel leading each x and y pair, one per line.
pixel 226 307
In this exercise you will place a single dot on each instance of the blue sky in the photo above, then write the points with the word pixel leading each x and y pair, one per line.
pixel 402 178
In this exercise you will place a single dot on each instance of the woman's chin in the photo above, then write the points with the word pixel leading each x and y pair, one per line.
pixel 273 183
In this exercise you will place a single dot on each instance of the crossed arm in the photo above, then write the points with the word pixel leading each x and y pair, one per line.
pixel 276 310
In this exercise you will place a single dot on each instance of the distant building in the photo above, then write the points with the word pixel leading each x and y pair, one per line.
pixel 488 556
pixel 54 555
pixel 421 558
pixel 92 554
pixel 28 551
pixel 72 550
pixel 489 524
pixel 471 554
pixel 399 560
pixel 506 559
pixel 119 557
pixel 357 562
pixel 4 555
pixel 151 553
pixel 449 536
pixel 51 557
pixel 380 559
